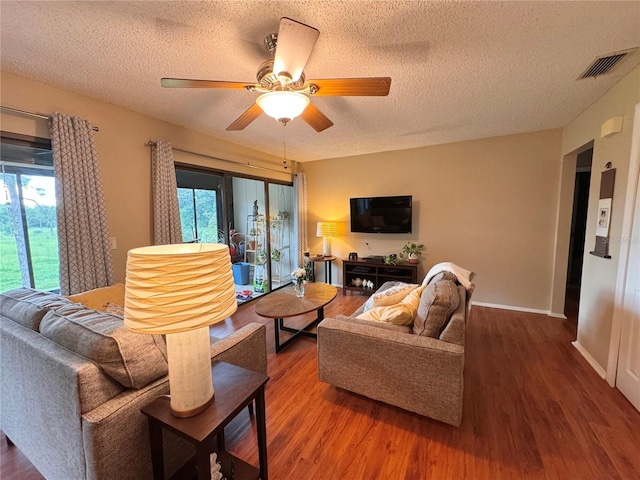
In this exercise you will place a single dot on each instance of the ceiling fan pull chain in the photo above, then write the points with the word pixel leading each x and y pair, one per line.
pixel 284 145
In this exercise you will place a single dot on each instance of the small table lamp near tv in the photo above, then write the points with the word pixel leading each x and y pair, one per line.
pixel 326 230
pixel 179 290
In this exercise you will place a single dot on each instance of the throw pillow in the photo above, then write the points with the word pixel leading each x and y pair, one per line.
pixel 402 313
pixel 132 359
pixel 390 296
pixel 399 314
pixel 98 298
pixel 438 302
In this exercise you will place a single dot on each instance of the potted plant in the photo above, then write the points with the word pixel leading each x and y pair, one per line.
pixel 308 268
pixel 412 251
pixel 276 254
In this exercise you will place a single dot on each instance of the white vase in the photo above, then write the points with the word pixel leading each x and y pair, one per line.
pixel 414 258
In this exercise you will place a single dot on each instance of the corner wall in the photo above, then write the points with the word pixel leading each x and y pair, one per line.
pixel 125 159
pixel 488 205
pixel 599 275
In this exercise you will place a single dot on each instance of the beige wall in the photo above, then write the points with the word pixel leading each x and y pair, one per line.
pixel 124 158
pixel 488 205
pixel 599 275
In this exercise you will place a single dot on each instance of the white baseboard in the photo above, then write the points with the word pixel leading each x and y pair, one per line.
pixel 587 356
pixel 557 315
pixel 518 309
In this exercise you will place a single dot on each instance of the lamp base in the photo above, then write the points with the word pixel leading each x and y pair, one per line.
pixel 326 246
pixel 190 383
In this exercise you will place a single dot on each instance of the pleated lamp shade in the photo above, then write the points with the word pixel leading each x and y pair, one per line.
pixel 326 230
pixel 174 288
pixel 180 290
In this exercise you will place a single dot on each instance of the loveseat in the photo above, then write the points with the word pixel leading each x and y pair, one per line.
pixel 404 346
pixel 74 380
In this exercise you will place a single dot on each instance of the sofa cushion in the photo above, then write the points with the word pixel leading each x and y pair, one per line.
pixel 390 296
pixel 114 309
pixel 438 302
pixel 132 359
pixel 453 331
pixel 444 276
pixel 27 306
pixel 98 298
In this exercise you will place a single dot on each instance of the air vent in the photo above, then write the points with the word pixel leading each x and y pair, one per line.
pixel 603 65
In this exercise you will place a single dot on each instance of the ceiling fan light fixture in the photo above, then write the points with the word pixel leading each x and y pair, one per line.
pixel 284 106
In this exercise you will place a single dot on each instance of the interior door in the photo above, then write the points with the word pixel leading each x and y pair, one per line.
pixel 628 372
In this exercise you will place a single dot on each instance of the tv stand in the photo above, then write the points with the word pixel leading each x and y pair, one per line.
pixel 377 272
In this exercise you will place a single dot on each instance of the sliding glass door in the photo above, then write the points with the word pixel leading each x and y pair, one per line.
pixel 253 216
pixel 281 230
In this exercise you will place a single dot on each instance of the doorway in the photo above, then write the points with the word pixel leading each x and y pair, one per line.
pixel 578 233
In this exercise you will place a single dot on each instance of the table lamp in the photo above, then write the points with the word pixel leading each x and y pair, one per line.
pixel 179 290
pixel 326 230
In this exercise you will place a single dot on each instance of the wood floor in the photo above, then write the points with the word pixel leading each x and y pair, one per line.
pixel 533 409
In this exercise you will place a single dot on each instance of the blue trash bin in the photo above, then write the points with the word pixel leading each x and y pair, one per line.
pixel 240 273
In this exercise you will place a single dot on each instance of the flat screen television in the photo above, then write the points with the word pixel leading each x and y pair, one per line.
pixel 381 214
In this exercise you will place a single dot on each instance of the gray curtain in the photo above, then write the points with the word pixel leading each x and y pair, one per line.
pixel 83 233
pixel 166 211
pixel 300 216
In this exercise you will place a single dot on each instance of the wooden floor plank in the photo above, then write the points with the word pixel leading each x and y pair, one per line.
pixel 533 409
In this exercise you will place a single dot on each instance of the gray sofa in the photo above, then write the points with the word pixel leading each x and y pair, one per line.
pixel 74 380
pixel 417 367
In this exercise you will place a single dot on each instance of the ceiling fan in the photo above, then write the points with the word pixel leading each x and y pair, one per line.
pixel 281 80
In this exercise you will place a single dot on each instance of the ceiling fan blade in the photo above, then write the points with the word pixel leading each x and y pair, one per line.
pixel 188 83
pixel 246 118
pixel 314 117
pixel 295 43
pixel 345 87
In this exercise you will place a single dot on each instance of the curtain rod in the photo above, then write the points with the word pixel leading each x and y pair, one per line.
pixel 151 143
pixel 24 113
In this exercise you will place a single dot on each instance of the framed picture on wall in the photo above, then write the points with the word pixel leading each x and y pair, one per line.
pixel 604 217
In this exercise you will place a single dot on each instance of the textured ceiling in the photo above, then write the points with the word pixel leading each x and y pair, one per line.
pixel 460 70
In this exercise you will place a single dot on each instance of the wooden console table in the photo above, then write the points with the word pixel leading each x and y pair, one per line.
pixel 376 272
pixel 235 388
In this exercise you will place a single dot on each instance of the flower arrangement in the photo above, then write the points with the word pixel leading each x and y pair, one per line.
pixel 299 274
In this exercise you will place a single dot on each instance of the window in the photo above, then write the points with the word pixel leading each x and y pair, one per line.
pixel 28 229
pixel 200 206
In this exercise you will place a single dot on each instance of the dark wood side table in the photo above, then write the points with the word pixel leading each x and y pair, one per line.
pixel 235 388
pixel 327 267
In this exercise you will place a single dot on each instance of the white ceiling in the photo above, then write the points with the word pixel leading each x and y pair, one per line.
pixel 460 70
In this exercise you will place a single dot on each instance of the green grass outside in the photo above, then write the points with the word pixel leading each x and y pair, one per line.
pixel 44 254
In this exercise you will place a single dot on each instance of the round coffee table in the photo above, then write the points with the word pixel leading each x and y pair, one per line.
pixel 284 303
